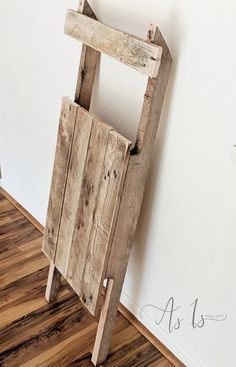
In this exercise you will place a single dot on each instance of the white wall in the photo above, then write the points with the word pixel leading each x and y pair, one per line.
pixel 185 243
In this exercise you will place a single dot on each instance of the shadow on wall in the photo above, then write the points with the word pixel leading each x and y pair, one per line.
pixel 118 99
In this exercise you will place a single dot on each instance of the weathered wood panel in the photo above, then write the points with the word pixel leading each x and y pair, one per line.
pixel 59 177
pixel 104 218
pixel 73 188
pixel 132 195
pixel 130 50
pixel 87 203
pixel 97 203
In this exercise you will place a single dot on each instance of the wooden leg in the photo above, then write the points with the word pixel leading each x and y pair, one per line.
pixel 106 323
pixel 53 283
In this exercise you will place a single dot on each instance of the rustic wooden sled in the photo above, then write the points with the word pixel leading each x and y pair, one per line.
pixel 98 180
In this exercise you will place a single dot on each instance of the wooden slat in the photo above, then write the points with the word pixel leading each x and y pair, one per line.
pixel 88 65
pixel 130 50
pixel 53 283
pixel 104 217
pixel 59 177
pixel 87 203
pixel 132 195
pixel 73 188
pixel 97 194
pixel 85 8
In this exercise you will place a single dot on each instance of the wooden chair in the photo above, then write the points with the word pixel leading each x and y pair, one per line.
pixel 98 180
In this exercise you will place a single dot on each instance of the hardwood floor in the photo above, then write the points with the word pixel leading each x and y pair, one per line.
pixel 60 334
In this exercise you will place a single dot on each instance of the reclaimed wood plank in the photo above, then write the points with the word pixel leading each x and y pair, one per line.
pixel 85 8
pixel 87 204
pixel 132 196
pixel 53 283
pixel 79 149
pixel 59 177
pixel 104 217
pixel 88 65
pixel 130 50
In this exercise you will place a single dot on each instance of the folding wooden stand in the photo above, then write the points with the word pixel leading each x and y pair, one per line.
pixel 98 180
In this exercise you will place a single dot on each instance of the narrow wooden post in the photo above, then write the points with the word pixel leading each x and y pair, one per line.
pixel 88 65
pixel 53 283
pixel 83 94
pixel 132 199
pixel 100 349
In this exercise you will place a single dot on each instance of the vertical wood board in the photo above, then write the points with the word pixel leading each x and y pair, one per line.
pixel 59 177
pixel 79 149
pixel 104 218
pixel 106 162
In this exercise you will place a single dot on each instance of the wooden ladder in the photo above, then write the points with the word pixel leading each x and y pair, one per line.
pixel 98 180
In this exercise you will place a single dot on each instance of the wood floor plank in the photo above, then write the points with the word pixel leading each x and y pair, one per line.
pixel 34 333
pixel 25 267
pixel 26 251
pixel 43 329
pixel 7 213
pixel 162 362
pixel 17 236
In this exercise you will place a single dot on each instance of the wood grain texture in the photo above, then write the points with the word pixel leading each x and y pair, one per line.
pixel 133 192
pixel 130 50
pixel 85 8
pixel 60 334
pixel 53 283
pixel 98 199
pixel 59 177
pixel 21 210
pixel 79 149
pixel 88 65
pixel 104 219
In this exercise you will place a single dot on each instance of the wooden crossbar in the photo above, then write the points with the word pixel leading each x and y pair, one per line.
pixel 128 49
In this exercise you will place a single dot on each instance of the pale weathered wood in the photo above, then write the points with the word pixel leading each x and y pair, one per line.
pixel 99 196
pixel 83 94
pixel 85 8
pixel 153 99
pixel 53 283
pixel 130 50
pixel 133 195
pixel 87 204
pixel 80 143
pixel 100 349
pixel 86 76
pixel 107 210
pixel 104 216
pixel 59 177
pixel 88 65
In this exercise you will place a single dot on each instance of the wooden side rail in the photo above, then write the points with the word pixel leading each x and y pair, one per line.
pixel 130 50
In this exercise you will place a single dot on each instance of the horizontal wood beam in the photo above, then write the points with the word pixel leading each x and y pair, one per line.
pixel 128 49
